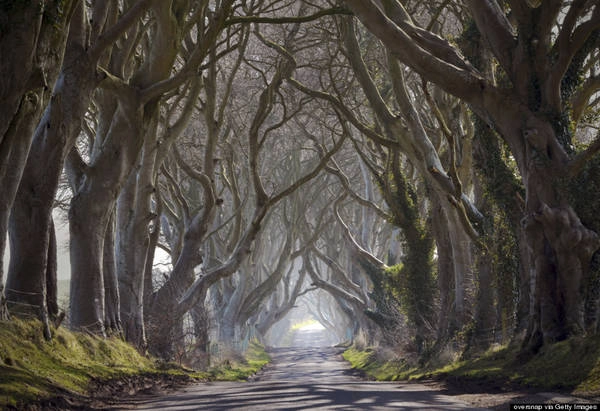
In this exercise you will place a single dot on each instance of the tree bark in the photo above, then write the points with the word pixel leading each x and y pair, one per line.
pixel 447 322
pixel 36 45
pixel 528 117
pixel 87 306
pixel 229 316
pixel 133 244
pixel 201 334
pixel 53 139
pixel 52 275
pixel 112 301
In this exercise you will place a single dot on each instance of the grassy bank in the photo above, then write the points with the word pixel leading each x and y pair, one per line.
pixel 32 369
pixel 239 370
pixel 569 366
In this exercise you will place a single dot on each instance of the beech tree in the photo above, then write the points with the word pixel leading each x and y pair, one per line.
pixel 420 164
pixel 58 128
pixel 395 140
pixel 177 296
pixel 539 50
pixel 34 33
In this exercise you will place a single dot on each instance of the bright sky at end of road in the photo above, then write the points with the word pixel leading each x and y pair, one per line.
pixel 313 326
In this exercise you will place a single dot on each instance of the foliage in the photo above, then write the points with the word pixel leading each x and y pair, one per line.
pixel 582 193
pixel 502 189
pixel 497 171
pixel 571 365
pixel 409 286
pixel 414 287
pixel 385 313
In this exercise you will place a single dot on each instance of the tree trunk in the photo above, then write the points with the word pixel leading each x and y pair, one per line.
pixel 228 317
pixel 131 266
pixel 133 244
pixel 560 246
pixel 112 302
pixel 20 27
pixel 26 280
pixel 32 211
pixel 36 46
pixel 87 307
pixel 96 187
pixel 485 314
pixel 52 274
pixel 447 324
pixel 462 261
pixel 161 314
pixel 202 343
pixel 116 149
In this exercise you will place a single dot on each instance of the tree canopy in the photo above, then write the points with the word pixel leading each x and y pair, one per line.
pixel 423 174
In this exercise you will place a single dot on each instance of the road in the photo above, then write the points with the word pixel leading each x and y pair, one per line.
pixel 304 378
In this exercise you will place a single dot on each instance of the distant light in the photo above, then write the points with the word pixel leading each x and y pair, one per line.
pixel 313 326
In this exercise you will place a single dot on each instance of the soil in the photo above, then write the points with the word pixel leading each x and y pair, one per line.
pixel 106 394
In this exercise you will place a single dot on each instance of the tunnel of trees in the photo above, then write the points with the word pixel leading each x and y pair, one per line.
pixel 416 174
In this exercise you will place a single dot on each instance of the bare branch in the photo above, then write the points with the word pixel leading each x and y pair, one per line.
pixel 580 99
pixel 110 36
pixel 496 29
pixel 459 80
pixel 581 159
pixel 571 38
pixel 334 11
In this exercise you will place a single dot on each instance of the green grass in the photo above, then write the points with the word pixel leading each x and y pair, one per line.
pixel 32 369
pixel 571 366
pixel 236 370
pixel 368 363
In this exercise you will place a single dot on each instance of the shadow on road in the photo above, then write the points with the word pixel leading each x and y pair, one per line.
pixel 307 377
pixel 307 396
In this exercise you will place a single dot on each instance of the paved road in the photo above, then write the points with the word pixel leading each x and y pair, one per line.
pixel 304 378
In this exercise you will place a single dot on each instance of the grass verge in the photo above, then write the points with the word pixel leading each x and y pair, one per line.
pixel 241 369
pixel 569 366
pixel 33 370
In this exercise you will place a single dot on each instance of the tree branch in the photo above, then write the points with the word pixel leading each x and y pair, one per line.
pixel 579 101
pixel 110 36
pixel 581 159
pixel 363 128
pixel 571 38
pixel 461 81
pixel 495 28
pixel 334 11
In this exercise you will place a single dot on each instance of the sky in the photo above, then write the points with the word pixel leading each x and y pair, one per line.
pixel 62 237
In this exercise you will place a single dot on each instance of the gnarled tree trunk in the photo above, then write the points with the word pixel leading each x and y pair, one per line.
pixel 33 34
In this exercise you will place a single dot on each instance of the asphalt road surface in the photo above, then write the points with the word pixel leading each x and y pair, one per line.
pixel 307 377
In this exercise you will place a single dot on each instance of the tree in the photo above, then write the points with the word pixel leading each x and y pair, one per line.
pixel 128 117
pixel 56 133
pixel 34 34
pixel 400 135
pixel 538 50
